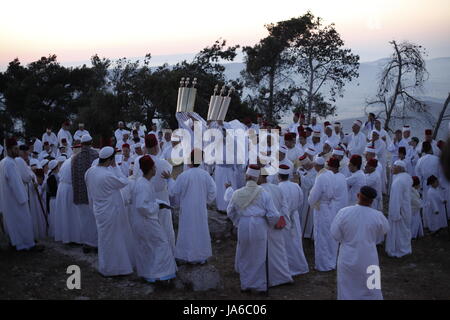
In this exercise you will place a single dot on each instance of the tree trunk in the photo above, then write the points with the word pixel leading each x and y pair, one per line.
pixel 441 116
pixel 397 88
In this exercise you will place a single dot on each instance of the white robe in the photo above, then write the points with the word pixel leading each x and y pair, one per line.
pixel 416 219
pixel 162 192
pixel 427 166
pixel 320 198
pixel 398 239
pixel 307 179
pixel 153 251
pixel 435 209
pixel 354 183
pixel 357 144
pixel 66 215
pixel 223 174
pixel 38 212
pixel 357 229
pixel 293 239
pixel 14 206
pixel 114 247
pixel 192 191
pixel 252 223
pixel 373 180
pixel 340 198
pixel 65 134
pixel 278 264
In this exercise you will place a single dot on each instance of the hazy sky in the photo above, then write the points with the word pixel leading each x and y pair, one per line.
pixel 75 30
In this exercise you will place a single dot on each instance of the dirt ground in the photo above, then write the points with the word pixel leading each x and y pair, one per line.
pixel 423 275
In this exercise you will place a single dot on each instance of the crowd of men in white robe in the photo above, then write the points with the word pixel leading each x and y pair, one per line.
pixel 329 187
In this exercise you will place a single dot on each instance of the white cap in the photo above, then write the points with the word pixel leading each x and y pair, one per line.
pixel 253 172
pixel 311 151
pixel 406 128
pixel 284 170
pixel 338 152
pixel 370 149
pixel 400 163
pixel 317 134
pixel 283 149
pixel 43 163
pixel 33 162
pixel 358 123
pixel 86 138
pixel 106 152
pixel 137 145
pixel 126 132
pixel 53 164
pixel 319 161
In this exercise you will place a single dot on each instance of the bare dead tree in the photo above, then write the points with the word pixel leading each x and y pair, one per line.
pixel 401 78
pixel 442 116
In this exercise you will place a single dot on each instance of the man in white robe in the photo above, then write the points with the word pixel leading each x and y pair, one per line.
pixel 294 246
pixel 154 255
pixel 278 264
pixel 428 165
pixel 104 184
pixel 159 183
pixel 436 206
pixel 373 180
pixel 357 179
pixel 307 176
pixel 80 132
pixel 51 139
pixel 321 200
pixel 14 201
pixel 398 239
pixel 358 140
pixel 252 211
pixel 191 192
pixel 416 205
pixel 357 229
pixel 64 133
pixel 340 198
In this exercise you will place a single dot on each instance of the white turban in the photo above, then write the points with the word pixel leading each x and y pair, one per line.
pixel 86 138
pixel 106 152
pixel 400 163
pixel 319 161
pixel 253 172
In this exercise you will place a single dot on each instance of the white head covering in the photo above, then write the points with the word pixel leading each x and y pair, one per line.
pixel 43 163
pixel 137 145
pixel 358 123
pixel 370 149
pixel 283 149
pixel 52 164
pixel 86 138
pixel 284 171
pixel 61 158
pixel 317 134
pixel 311 151
pixel 253 172
pixel 406 128
pixel 338 152
pixel 319 161
pixel 106 152
pixel 400 163
pixel 34 162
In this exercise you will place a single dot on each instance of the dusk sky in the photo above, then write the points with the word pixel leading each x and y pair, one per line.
pixel 75 30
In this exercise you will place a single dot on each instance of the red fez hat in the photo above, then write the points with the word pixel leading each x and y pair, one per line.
pixel 333 162
pixel 63 140
pixel 66 123
pixel 356 160
pixel 289 136
pixel 302 116
pixel 300 129
pixel 266 123
pixel 46 143
pixel 126 145
pixel 11 142
pixel 254 167
pixel 428 132
pixel 326 123
pixel 283 166
pixel 146 163
pixel 247 120
pixel 150 140
pixel 303 157
pixel 416 181
pixel 302 134
pixel 372 163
